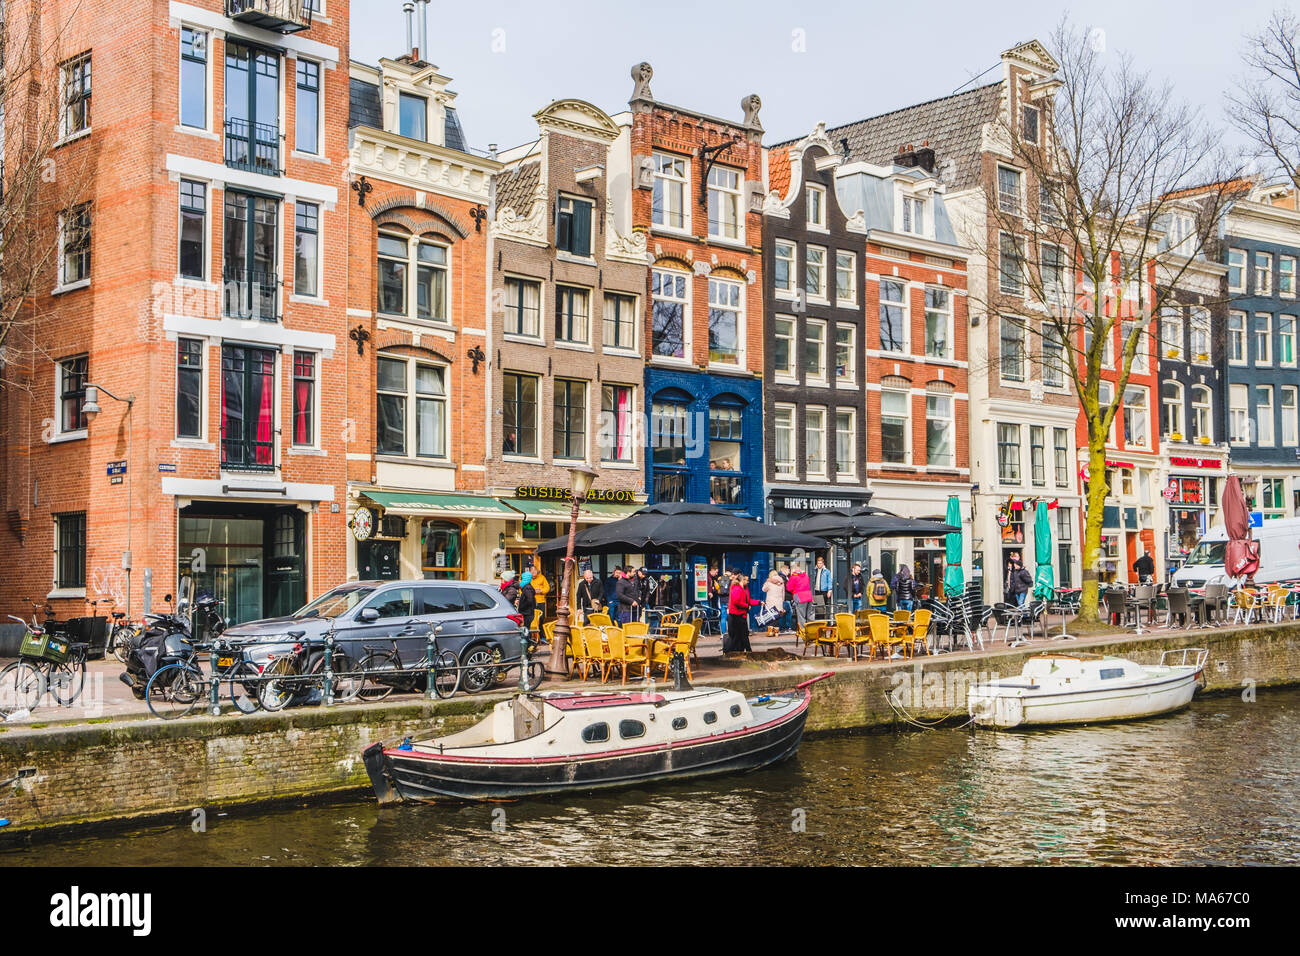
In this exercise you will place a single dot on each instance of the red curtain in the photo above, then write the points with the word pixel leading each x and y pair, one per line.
pixel 301 411
pixel 264 421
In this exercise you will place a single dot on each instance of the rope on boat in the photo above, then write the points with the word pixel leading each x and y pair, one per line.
pixel 901 713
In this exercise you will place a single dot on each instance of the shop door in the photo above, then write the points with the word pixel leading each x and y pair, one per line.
pixel 224 555
pixel 286 577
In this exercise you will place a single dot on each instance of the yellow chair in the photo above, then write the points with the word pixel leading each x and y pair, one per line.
pixel 599 619
pixel 687 635
pixel 597 655
pixel 636 629
pixel 921 629
pixel 624 654
pixel 808 633
pixel 577 650
pixel 846 634
pixel 879 637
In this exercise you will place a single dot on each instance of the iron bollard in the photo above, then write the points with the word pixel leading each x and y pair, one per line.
pixel 214 691
pixel 431 657
pixel 524 635
pixel 329 668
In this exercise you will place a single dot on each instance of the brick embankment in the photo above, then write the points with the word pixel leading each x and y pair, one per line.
pixel 123 768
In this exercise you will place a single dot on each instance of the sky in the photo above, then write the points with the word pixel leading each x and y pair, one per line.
pixel 835 61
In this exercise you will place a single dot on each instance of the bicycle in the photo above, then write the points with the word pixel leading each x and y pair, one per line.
pixel 122 635
pixel 382 672
pixel 175 689
pixel 46 661
pixel 303 669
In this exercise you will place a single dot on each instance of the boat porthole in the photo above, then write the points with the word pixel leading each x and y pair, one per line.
pixel 679 723
pixel 595 733
pixel 710 717
pixel 630 729
pixel 735 710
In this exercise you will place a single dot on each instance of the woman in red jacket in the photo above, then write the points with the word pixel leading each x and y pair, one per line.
pixel 738 603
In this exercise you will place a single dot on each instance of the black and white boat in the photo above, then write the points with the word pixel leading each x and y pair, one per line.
pixel 554 742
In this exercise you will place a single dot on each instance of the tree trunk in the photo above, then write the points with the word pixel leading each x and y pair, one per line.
pixel 1094 516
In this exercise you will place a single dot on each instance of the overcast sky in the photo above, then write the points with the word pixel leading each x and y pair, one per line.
pixel 835 62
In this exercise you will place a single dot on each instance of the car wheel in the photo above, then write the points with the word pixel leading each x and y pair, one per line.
pixel 478 669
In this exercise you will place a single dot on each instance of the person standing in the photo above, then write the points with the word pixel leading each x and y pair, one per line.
pixel 1018 580
pixel 822 584
pixel 629 596
pixel 589 596
pixel 738 603
pixel 857 583
pixel 510 588
pixel 644 588
pixel 717 587
pixel 773 601
pixel 877 591
pixel 905 589
pixel 527 599
pixel 541 587
pixel 1145 568
pixel 801 588
pixel 787 606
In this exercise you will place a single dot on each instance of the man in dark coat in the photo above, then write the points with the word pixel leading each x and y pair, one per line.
pixel 1145 568
pixel 629 596
pixel 590 595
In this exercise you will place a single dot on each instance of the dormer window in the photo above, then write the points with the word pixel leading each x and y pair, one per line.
pixel 573 227
pixel 817 207
pixel 1029 124
pixel 412 116
pixel 913 215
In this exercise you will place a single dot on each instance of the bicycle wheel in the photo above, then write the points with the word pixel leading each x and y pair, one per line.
pixel 21 685
pixel 68 680
pixel 278 684
pixel 446 675
pixel 123 638
pixel 379 672
pixel 244 687
pixel 174 690
pixel 347 676
pixel 536 674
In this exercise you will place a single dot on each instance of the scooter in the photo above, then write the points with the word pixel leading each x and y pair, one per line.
pixel 168 638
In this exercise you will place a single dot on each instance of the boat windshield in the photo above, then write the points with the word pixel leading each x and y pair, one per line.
pixel 333 603
pixel 1208 552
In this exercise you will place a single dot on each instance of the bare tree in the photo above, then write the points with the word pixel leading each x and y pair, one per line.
pixel 40 180
pixel 1265 103
pixel 1118 160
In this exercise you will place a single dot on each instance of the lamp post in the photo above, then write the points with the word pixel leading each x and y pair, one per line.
pixel 90 408
pixel 580 479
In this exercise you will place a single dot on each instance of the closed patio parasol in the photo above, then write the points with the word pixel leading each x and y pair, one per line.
pixel 1242 554
pixel 954 581
pixel 1044 578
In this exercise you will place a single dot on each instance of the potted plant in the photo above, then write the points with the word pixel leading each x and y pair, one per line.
pixel 1172 353
pixel 1205 439
pixel 1176 436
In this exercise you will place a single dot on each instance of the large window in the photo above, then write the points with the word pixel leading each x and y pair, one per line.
pixel 392 269
pixel 306 249
pixel 189 388
pixel 668 435
pixel 441 557
pixel 75 78
pixel 1008 453
pixel 307 107
pixel 846 445
pixel 194 78
pixel 725 204
pixel 1263 273
pixel 1238 415
pixel 815 441
pixel 1200 333
pixel 248 408
pixel 617 413
pixel 726 443
pixel 407 383
pixel 1264 415
pixel 783 347
pixel 1202 414
pixel 304 398
pixel 519 415
pixel 939 427
pixel 783 267
pixel 1053 356
pixel 1171 408
pixel 1237 338
pixel 913 215
pixel 573 227
pixel 669 307
pixel 1286 341
pixel 1037 455
pixel 784 438
pixel 412 116
pixel 72 393
pixel 570 428
pixel 1236 270
pixel 846 279
pixel 1052 265
pixel 895 403
pixel 1290 431
pixel 523 305
pixel 726 323
pixel 1171 333
pixel 1011 332
pixel 75 242
pixel 669 206
pixel 252 109
pixel 1135 417
pixel 1061 456
pixel 427 298
pixel 938 323
pixel 814 272
pixel 1286 276
pixel 70 544
pixel 572 314
pixel 1011 257
pixel 619 330
pixel 814 351
pixel 1009 192
pixel 192 257
pixel 893 316
pixel 252 284
pixel 846 350
pixel 1263 338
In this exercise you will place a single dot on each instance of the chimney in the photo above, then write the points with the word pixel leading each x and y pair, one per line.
pixel 409 9
pixel 910 157
pixel 424 31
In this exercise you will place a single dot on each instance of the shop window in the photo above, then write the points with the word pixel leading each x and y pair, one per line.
pixel 442 556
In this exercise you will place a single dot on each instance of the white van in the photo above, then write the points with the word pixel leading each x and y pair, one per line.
pixel 1279 555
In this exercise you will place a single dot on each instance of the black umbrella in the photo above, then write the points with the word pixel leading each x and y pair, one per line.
pixel 849 528
pixel 686 529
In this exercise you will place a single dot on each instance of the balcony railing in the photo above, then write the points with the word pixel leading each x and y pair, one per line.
pixel 247 454
pixel 251 295
pixel 253 147
pixel 283 16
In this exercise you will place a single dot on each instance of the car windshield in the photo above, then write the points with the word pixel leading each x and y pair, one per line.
pixel 333 603
pixel 1208 552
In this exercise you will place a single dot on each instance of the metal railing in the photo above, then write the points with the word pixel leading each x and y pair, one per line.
pixel 284 16
pixel 250 294
pixel 253 147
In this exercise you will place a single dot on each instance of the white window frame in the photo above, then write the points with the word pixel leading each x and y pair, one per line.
pixel 1005 322
pixel 738 287
pixel 849 379
pixel 846 263
pixel 815 201
pixel 906 305
pixel 1018 243
pixel 1240 267
pixel 685 303
pixel 1145 408
pixel 812 471
pixel 913 216
pixel 59 433
pixel 1025 110
pixel 998 443
pixel 413 242
pixel 821 291
pixel 951 419
pixel 1171 334
pixel 63 285
pixel 790 373
pixel 849 473
pixel 1263 343
pixel 1017 208
pixel 737 196
pixel 906 395
pixel 661 159
pixel 1262 266
pixel 1286 276
pixel 821 379
pixel 1240 338
pixel 290 363
pixel 1173 409
pixel 792 275
pixel 785 468
pixel 1290 422
pixel 1285 322
pixel 319 294
pixel 66 134
pixel 947 314
pixel 1239 416
pixel 202 437
pixel 1201 331
pixel 1200 408
pixel 1264 423
pixel 521 281
pixel 411 400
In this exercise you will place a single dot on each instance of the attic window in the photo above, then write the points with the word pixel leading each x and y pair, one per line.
pixel 1029 124
pixel 412 116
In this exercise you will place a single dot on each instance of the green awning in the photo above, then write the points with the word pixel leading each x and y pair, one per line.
pixel 458 506
pixel 559 510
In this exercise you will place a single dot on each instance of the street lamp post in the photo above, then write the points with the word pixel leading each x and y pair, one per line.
pixel 580 479
pixel 90 408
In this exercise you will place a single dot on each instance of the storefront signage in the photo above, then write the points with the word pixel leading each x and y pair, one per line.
pixel 1195 462
pixel 363 524
pixel 816 504
pixel 608 495
pixel 169 469
pixel 701 582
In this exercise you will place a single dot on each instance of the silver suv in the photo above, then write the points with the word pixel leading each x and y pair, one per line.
pixel 477 623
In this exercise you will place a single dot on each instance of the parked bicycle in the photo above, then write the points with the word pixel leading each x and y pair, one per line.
pixel 46 661
pixel 303 670
pixel 177 688
pixel 383 672
pixel 122 635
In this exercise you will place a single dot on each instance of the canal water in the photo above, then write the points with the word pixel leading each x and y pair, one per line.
pixel 1215 783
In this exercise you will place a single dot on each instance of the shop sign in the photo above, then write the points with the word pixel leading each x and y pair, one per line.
pixel 814 504
pixel 595 495
pixel 363 524
pixel 167 468
pixel 701 582
pixel 116 468
pixel 1178 462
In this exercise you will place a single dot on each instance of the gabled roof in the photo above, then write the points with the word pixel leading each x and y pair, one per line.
pixel 778 170
pixel 516 187
pixel 952 126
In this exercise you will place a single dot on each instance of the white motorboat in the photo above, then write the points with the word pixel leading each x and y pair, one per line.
pixel 1087 688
